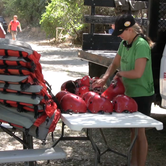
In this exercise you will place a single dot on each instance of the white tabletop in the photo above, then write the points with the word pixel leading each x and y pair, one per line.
pixel 116 120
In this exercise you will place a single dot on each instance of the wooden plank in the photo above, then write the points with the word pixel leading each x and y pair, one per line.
pixel 103 58
pixel 101 19
pixel 100 42
pixel 105 3
pixel 31 155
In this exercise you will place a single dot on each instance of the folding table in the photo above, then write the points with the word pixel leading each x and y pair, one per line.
pixel 90 121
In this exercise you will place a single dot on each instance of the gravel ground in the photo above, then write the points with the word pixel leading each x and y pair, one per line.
pixel 60 65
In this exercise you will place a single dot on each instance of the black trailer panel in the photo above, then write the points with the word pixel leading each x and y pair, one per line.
pixel 106 3
pixel 100 42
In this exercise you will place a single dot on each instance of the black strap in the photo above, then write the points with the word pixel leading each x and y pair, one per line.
pixel 6 54
pixel 35 111
pixel 129 45
pixel 20 53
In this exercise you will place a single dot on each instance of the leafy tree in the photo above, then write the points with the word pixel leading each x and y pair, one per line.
pixel 63 13
pixel 28 10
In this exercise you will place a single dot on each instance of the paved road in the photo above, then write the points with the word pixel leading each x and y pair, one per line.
pixel 60 65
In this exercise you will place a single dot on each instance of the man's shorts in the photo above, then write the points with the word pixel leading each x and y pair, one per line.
pixel 13 33
pixel 144 104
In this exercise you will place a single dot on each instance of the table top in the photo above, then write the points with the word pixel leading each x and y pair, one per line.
pixel 115 120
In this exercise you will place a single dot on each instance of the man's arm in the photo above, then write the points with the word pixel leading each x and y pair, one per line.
pixel 20 27
pixel 109 72
pixel 9 27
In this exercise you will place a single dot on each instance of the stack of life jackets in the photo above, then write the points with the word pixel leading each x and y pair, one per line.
pixel 26 100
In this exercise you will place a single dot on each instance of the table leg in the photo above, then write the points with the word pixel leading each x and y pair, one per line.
pixel 96 149
pixel 29 141
pixel 61 137
pixel 98 154
pixel 108 148
pixel 129 149
pixel 64 138
pixel 87 137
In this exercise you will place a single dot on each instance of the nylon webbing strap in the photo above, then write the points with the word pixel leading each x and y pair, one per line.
pixel 6 85
pixel 25 86
pixel 6 54
pixel 20 71
pixel 6 104
pixel 19 107
pixel 18 63
pixel 6 69
pixel 36 111
pixel 21 55
pixel 4 62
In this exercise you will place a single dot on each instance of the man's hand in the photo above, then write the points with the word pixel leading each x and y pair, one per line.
pixel 117 75
pixel 98 83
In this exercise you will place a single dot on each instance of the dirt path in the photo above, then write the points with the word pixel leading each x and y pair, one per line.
pixel 60 65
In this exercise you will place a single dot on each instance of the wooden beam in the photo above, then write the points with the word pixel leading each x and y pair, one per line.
pixel 101 19
pixel 106 3
pixel 100 57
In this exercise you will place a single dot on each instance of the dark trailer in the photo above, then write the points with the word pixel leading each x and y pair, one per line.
pixel 99 49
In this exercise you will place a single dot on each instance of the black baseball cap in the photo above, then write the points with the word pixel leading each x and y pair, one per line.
pixel 123 22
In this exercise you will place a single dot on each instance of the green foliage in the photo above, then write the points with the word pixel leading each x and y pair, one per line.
pixel 63 13
pixel 53 13
pixel 28 10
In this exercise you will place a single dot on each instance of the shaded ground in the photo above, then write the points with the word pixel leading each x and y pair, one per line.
pixel 59 65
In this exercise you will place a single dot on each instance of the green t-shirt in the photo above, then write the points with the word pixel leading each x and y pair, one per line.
pixel 141 86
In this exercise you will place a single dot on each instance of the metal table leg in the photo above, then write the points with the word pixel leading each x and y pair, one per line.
pixel 131 147
pixel 87 137
pixel 121 154
pixel 65 138
pixel 29 141
pixel 98 154
pixel 95 148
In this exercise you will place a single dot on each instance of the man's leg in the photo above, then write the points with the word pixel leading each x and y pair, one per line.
pixel 13 33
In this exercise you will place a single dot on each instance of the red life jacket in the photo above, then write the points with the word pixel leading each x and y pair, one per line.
pixel 19 65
